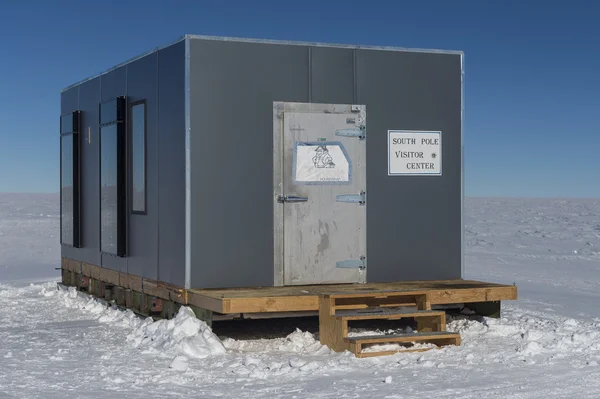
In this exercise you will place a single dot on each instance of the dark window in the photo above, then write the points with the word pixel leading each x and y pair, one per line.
pixel 67 186
pixel 138 157
pixel 69 179
pixel 112 178
pixel 109 188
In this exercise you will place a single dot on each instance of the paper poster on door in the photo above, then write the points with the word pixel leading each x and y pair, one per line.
pixel 321 163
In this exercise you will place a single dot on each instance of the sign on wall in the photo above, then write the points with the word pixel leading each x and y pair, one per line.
pixel 414 152
pixel 321 163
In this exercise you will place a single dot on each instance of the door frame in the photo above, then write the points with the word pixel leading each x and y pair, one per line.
pixel 279 109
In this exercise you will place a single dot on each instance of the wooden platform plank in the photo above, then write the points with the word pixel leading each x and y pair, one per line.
pixel 71 265
pixel 351 289
pixel 86 269
pixel 124 280
pixel 154 288
pixel 108 276
pixel 135 283
pixel 272 304
pixel 302 298
pixel 206 302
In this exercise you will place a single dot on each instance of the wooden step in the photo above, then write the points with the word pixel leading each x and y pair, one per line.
pixel 440 338
pixel 362 300
pixel 409 337
pixel 385 314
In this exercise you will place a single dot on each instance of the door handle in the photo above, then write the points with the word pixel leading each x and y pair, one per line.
pixel 290 198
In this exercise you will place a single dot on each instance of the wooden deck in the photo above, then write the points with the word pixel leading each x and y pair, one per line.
pixel 289 299
pixel 306 298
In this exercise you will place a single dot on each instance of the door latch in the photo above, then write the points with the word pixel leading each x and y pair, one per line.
pixel 361 132
pixel 290 198
pixel 360 263
pixel 360 199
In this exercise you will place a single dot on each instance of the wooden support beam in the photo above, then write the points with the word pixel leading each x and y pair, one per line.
pixel 66 277
pixel 83 283
pixel 98 288
pixel 138 299
pixel 129 298
pixel 108 292
pixel 431 324
pixel 170 309
pixel 119 295
pixel 155 305
pixel 423 302
pixel 91 286
pixel 144 305
pixel 203 314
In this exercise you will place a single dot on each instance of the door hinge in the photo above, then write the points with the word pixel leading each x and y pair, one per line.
pixel 360 132
pixel 360 263
pixel 360 199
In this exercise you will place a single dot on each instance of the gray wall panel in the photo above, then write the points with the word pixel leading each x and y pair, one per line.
pixel 143 229
pixel 89 98
pixel 69 101
pixel 332 75
pixel 414 222
pixel 113 84
pixel 233 86
pixel 171 164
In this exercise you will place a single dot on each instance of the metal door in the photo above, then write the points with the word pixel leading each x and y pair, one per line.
pixel 320 199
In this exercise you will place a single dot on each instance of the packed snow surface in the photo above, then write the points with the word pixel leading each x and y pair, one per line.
pixel 61 344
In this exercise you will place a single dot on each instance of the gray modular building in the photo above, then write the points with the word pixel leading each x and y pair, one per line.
pixel 218 162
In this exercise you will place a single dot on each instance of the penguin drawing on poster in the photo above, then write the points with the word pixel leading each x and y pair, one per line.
pixel 322 158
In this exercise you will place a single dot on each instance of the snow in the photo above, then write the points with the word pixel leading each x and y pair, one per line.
pixel 61 344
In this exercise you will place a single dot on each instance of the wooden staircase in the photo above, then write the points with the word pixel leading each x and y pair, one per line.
pixel 336 310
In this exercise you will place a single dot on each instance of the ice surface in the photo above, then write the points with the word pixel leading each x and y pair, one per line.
pixel 59 344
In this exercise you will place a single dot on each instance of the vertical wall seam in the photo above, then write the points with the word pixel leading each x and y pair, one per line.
pixel 309 74
pixel 127 171
pixel 188 208
pixel 462 170
pixel 355 88
pixel 157 142
pixel 99 183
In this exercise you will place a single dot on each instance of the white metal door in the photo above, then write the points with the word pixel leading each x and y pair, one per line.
pixel 320 199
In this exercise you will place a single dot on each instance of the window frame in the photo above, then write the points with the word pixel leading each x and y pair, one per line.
pixel 121 171
pixel 131 157
pixel 76 177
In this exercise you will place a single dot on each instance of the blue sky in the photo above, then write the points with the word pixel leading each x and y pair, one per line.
pixel 532 84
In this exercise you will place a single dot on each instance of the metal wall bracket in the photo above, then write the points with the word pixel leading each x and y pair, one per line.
pixel 361 132
pixel 360 199
pixel 352 263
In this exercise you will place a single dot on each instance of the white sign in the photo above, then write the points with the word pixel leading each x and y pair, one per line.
pixel 413 152
pixel 321 164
